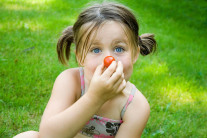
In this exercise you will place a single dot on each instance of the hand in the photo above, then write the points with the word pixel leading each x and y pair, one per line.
pixel 107 84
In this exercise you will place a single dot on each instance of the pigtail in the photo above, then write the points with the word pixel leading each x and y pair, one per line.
pixel 64 44
pixel 147 44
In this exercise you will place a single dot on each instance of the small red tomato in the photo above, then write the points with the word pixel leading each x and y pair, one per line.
pixel 108 60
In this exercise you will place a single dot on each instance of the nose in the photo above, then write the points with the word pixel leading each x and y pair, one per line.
pixel 108 53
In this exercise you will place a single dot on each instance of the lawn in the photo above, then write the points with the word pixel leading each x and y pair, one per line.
pixel 173 79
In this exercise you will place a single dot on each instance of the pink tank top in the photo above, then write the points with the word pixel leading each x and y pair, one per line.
pixel 101 127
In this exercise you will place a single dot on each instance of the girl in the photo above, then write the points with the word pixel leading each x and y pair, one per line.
pixel 94 101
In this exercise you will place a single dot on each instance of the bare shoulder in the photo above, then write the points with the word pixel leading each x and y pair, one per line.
pixel 135 117
pixel 68 73
pixel 65 92
pixel 67 82
pixel 140 101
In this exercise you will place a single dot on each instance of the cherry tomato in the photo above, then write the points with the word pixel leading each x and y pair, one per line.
pixel 108 60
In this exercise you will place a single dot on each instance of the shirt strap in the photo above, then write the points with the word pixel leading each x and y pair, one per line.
pixel 82 80
pixel 131 96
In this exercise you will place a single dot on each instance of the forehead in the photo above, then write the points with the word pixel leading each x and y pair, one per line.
pixel 97 31
pixel 109 31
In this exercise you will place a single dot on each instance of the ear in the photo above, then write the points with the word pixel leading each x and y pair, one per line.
pixel 136 55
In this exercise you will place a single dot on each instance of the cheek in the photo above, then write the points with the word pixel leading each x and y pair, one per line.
pixel 90 65
pixel 128 67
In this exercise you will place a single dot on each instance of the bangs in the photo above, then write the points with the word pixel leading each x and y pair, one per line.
pixel 132 39
pixel 85 38
pixel 83 42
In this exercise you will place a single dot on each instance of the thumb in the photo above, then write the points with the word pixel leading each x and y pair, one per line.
pixel 99 69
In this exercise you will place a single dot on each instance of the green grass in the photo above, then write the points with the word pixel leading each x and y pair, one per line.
pixel 174 79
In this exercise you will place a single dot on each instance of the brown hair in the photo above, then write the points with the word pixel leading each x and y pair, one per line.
pixel 90 20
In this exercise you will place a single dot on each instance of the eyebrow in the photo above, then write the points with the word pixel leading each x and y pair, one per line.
pixel 96 42
pixel 120 41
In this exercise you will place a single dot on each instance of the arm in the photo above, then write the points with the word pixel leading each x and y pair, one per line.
pixel 135 118
pixel 64 116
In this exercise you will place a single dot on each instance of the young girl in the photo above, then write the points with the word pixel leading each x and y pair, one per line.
pixel 92 100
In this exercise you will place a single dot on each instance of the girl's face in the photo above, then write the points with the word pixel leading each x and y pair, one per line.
pixel 110 40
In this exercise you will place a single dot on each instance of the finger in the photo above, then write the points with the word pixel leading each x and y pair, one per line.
pixel 118 74
pixel 122 86
pixel 99 69
pixel 117 79
pixel 110 70
pixel 118 83
pixel 122 75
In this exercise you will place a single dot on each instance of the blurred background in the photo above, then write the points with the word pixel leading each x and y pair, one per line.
pixel 173 79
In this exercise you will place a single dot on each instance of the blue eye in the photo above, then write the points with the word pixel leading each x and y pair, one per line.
pixel 119 49
pixel 96 50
